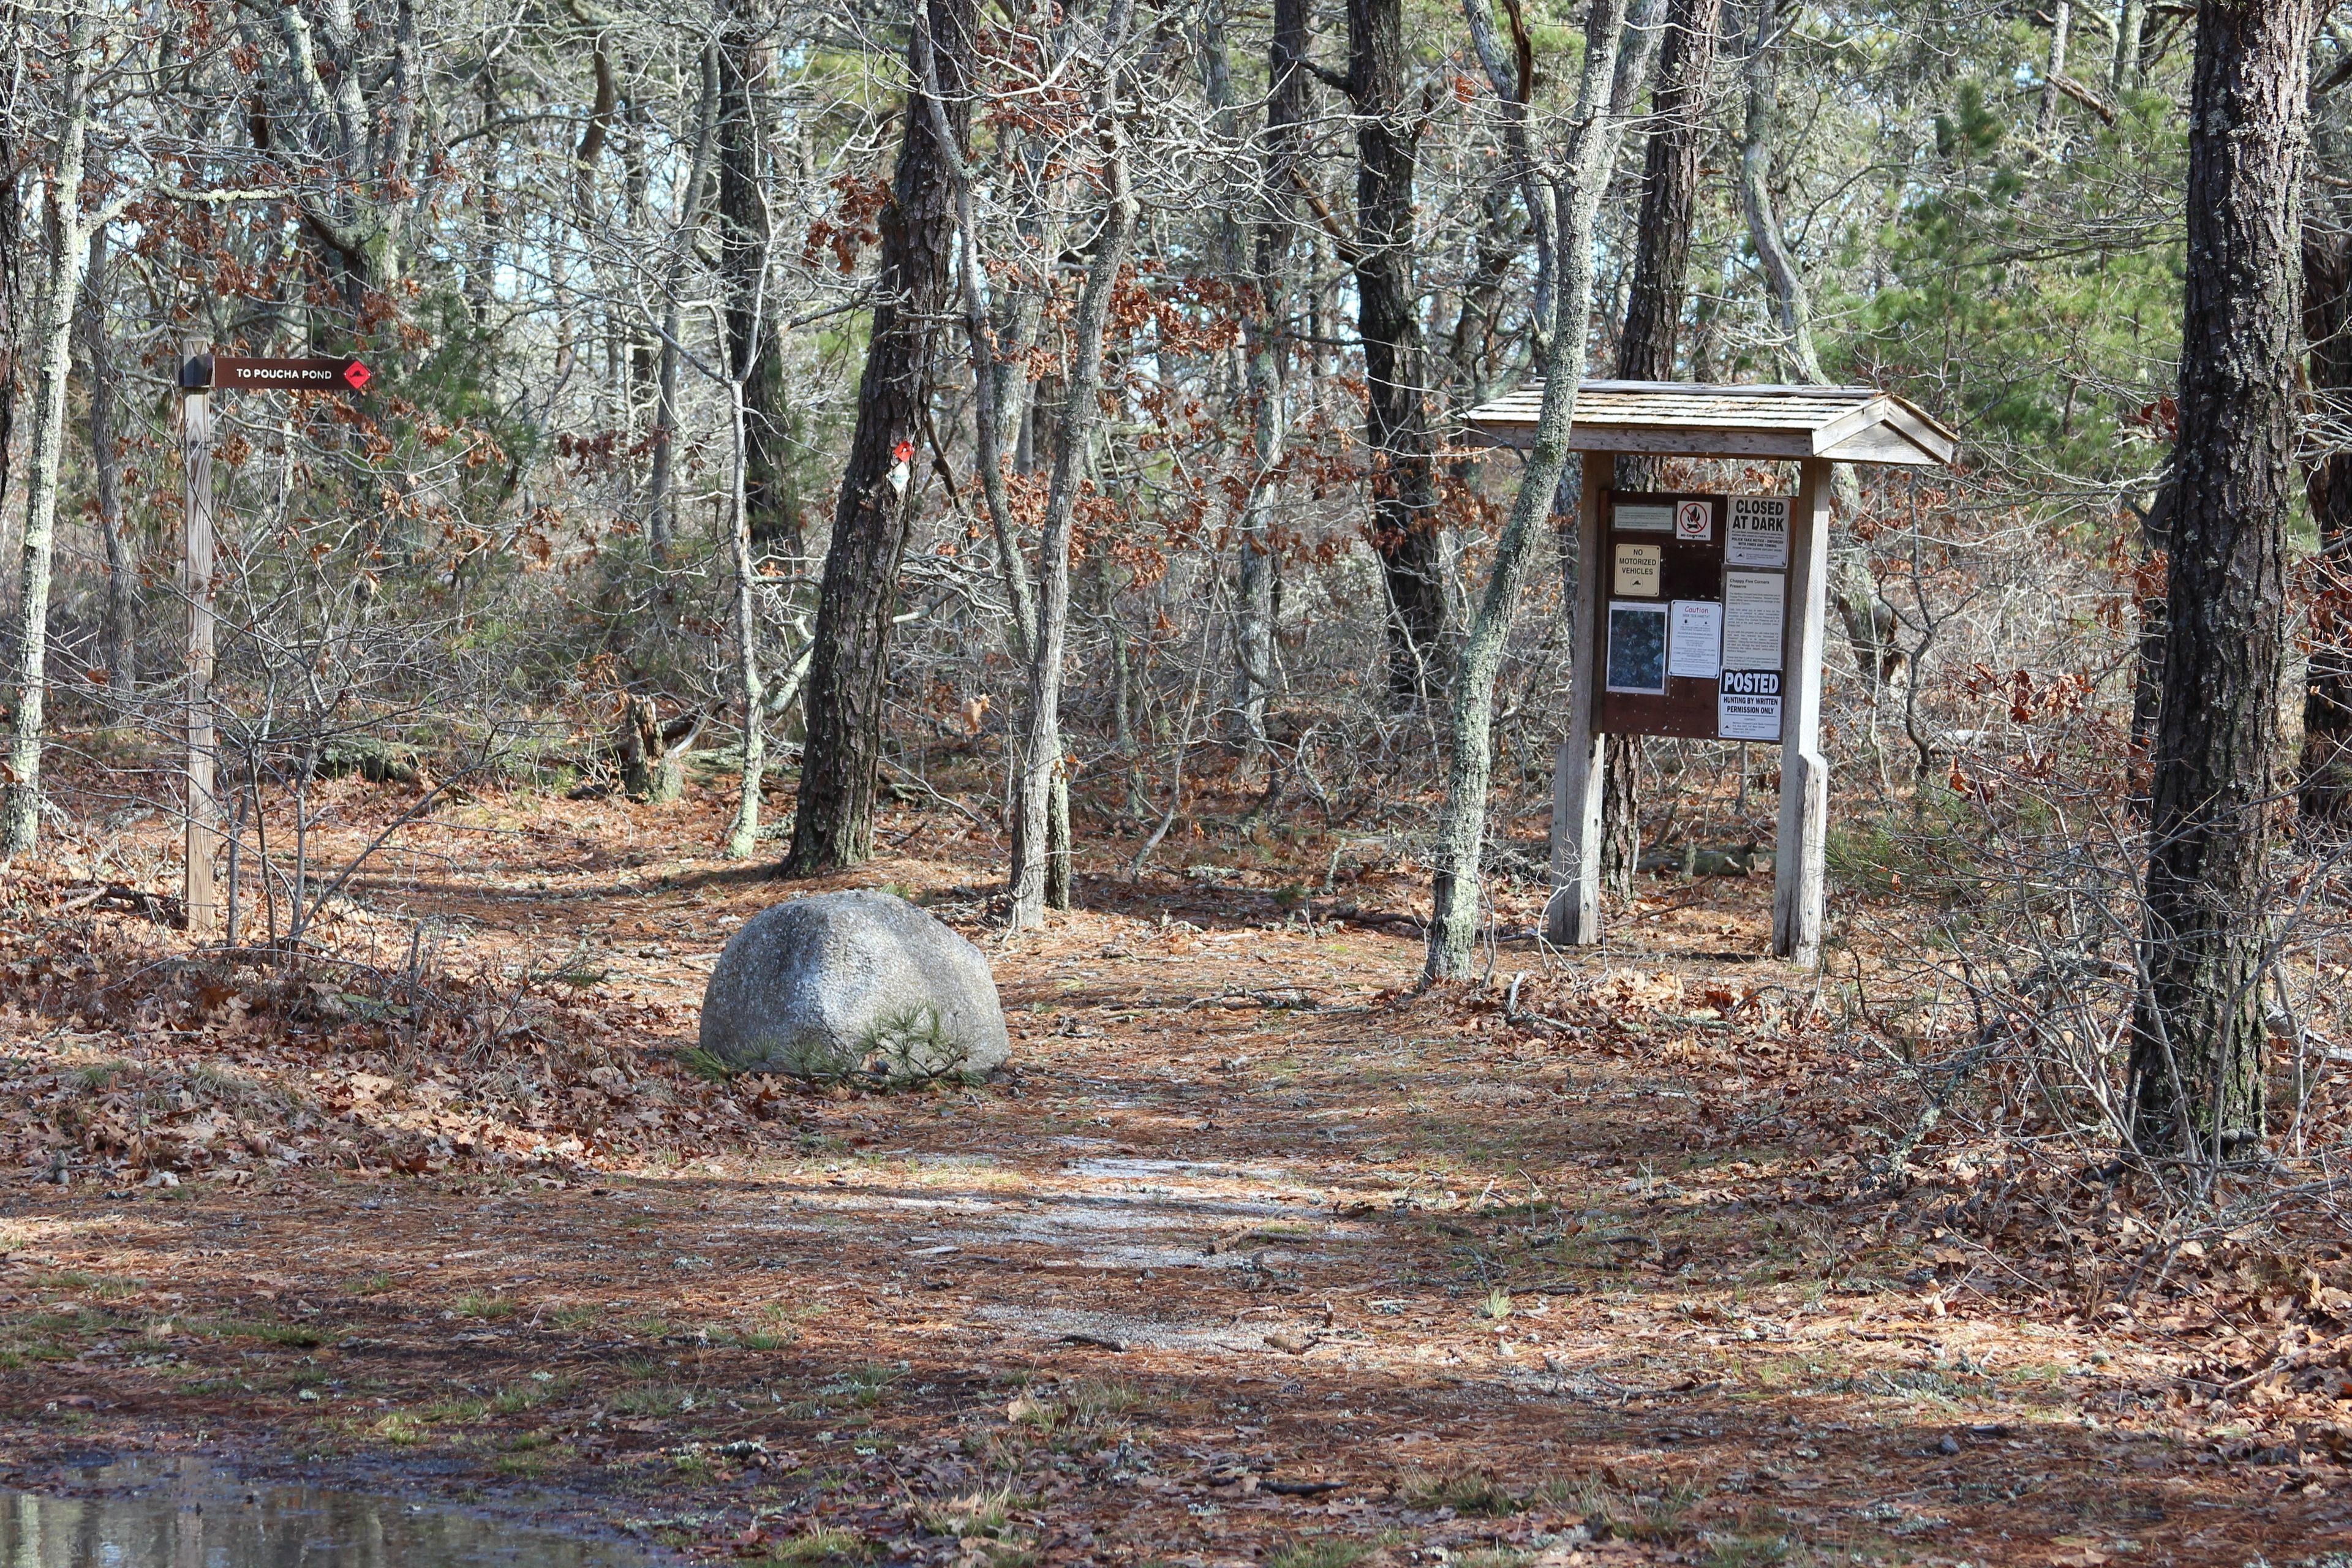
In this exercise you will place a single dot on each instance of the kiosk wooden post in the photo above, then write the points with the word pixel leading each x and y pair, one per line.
pixel 200 895
pixel 1696 574
pixel 1799 871
pixel 1572 918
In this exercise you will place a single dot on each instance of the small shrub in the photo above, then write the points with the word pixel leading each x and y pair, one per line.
pixel 912 1049
pixel 706 1065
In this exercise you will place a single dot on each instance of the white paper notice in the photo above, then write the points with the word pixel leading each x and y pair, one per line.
pixel 1751 620
pixel 1748 705
pixel 1758 533
pixel 1694 521
pixel 1697 640
pixel 1644 518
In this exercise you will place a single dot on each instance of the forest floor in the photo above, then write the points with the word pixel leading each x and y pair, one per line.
pixel 1257 1255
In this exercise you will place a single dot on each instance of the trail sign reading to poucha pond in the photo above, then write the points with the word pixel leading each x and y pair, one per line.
pixel 202 373
pixel 229 373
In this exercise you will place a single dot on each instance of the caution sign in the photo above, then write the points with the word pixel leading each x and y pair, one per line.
pixel 1748 705
pixel 1694 521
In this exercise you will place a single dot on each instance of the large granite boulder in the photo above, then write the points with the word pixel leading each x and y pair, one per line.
pixel 856 986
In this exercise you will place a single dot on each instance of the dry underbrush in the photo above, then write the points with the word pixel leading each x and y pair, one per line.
pixel 2249 1292
pixel 135 1063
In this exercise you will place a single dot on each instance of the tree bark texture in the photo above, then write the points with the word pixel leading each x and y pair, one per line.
pixel 833 823
pixel 2147 653
pixel 1594 132
pixel 1404 525
pixel 743 835
pixel 1646 349
pixel 121 630
pixel 68 250
pixel 661 484
pixel 2198 1026
pixel 13 90
pixel 747 243
pixel 2131 17
pixel 1670 179
pixel 360 94
pixel 2323 787
pixel 2061 27
pixel 1267 285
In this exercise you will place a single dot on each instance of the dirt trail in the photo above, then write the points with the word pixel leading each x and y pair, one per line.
pixel 1255 1257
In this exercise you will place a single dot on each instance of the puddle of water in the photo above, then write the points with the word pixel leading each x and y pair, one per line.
pixel 184 1513
pixel 1135 1333
pixel 1136 1170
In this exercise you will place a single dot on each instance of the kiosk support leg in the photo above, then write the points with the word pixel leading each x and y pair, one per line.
pixel 1573 916
pixel 1799 870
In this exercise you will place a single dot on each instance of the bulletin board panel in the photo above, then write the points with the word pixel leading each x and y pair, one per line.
pixel 1658 572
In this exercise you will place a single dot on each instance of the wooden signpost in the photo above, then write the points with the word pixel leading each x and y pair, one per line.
pixel 201 374
pixel 1701 615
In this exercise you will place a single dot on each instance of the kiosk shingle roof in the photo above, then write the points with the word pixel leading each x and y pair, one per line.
pixel 1846 424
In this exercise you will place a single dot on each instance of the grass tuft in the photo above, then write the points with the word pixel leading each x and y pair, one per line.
pixel 1320 1551
pixel 1472 1492
pixel 824 1546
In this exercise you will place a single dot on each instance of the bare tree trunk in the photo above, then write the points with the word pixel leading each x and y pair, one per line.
pixel 14 88
pixel 1646 349
pixel 743 835
pixel 1266 284
pixel 2197 1028
pixel 754 344
pixel 2324 793
pixel 1869 625
pixel 1041 753
pixel 122 635
pixel 1594 132
pixel 994 375
pixel 661 507
pixel 2061 25
pixel 833 823
pixel 1404 528
pixel 2148 661
pixel 67 249
pixel 2131 17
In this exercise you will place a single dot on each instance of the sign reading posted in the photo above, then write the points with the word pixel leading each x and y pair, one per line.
pixel 1748 705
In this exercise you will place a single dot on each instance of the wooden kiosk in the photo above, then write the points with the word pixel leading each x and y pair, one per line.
pixel 1701 615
